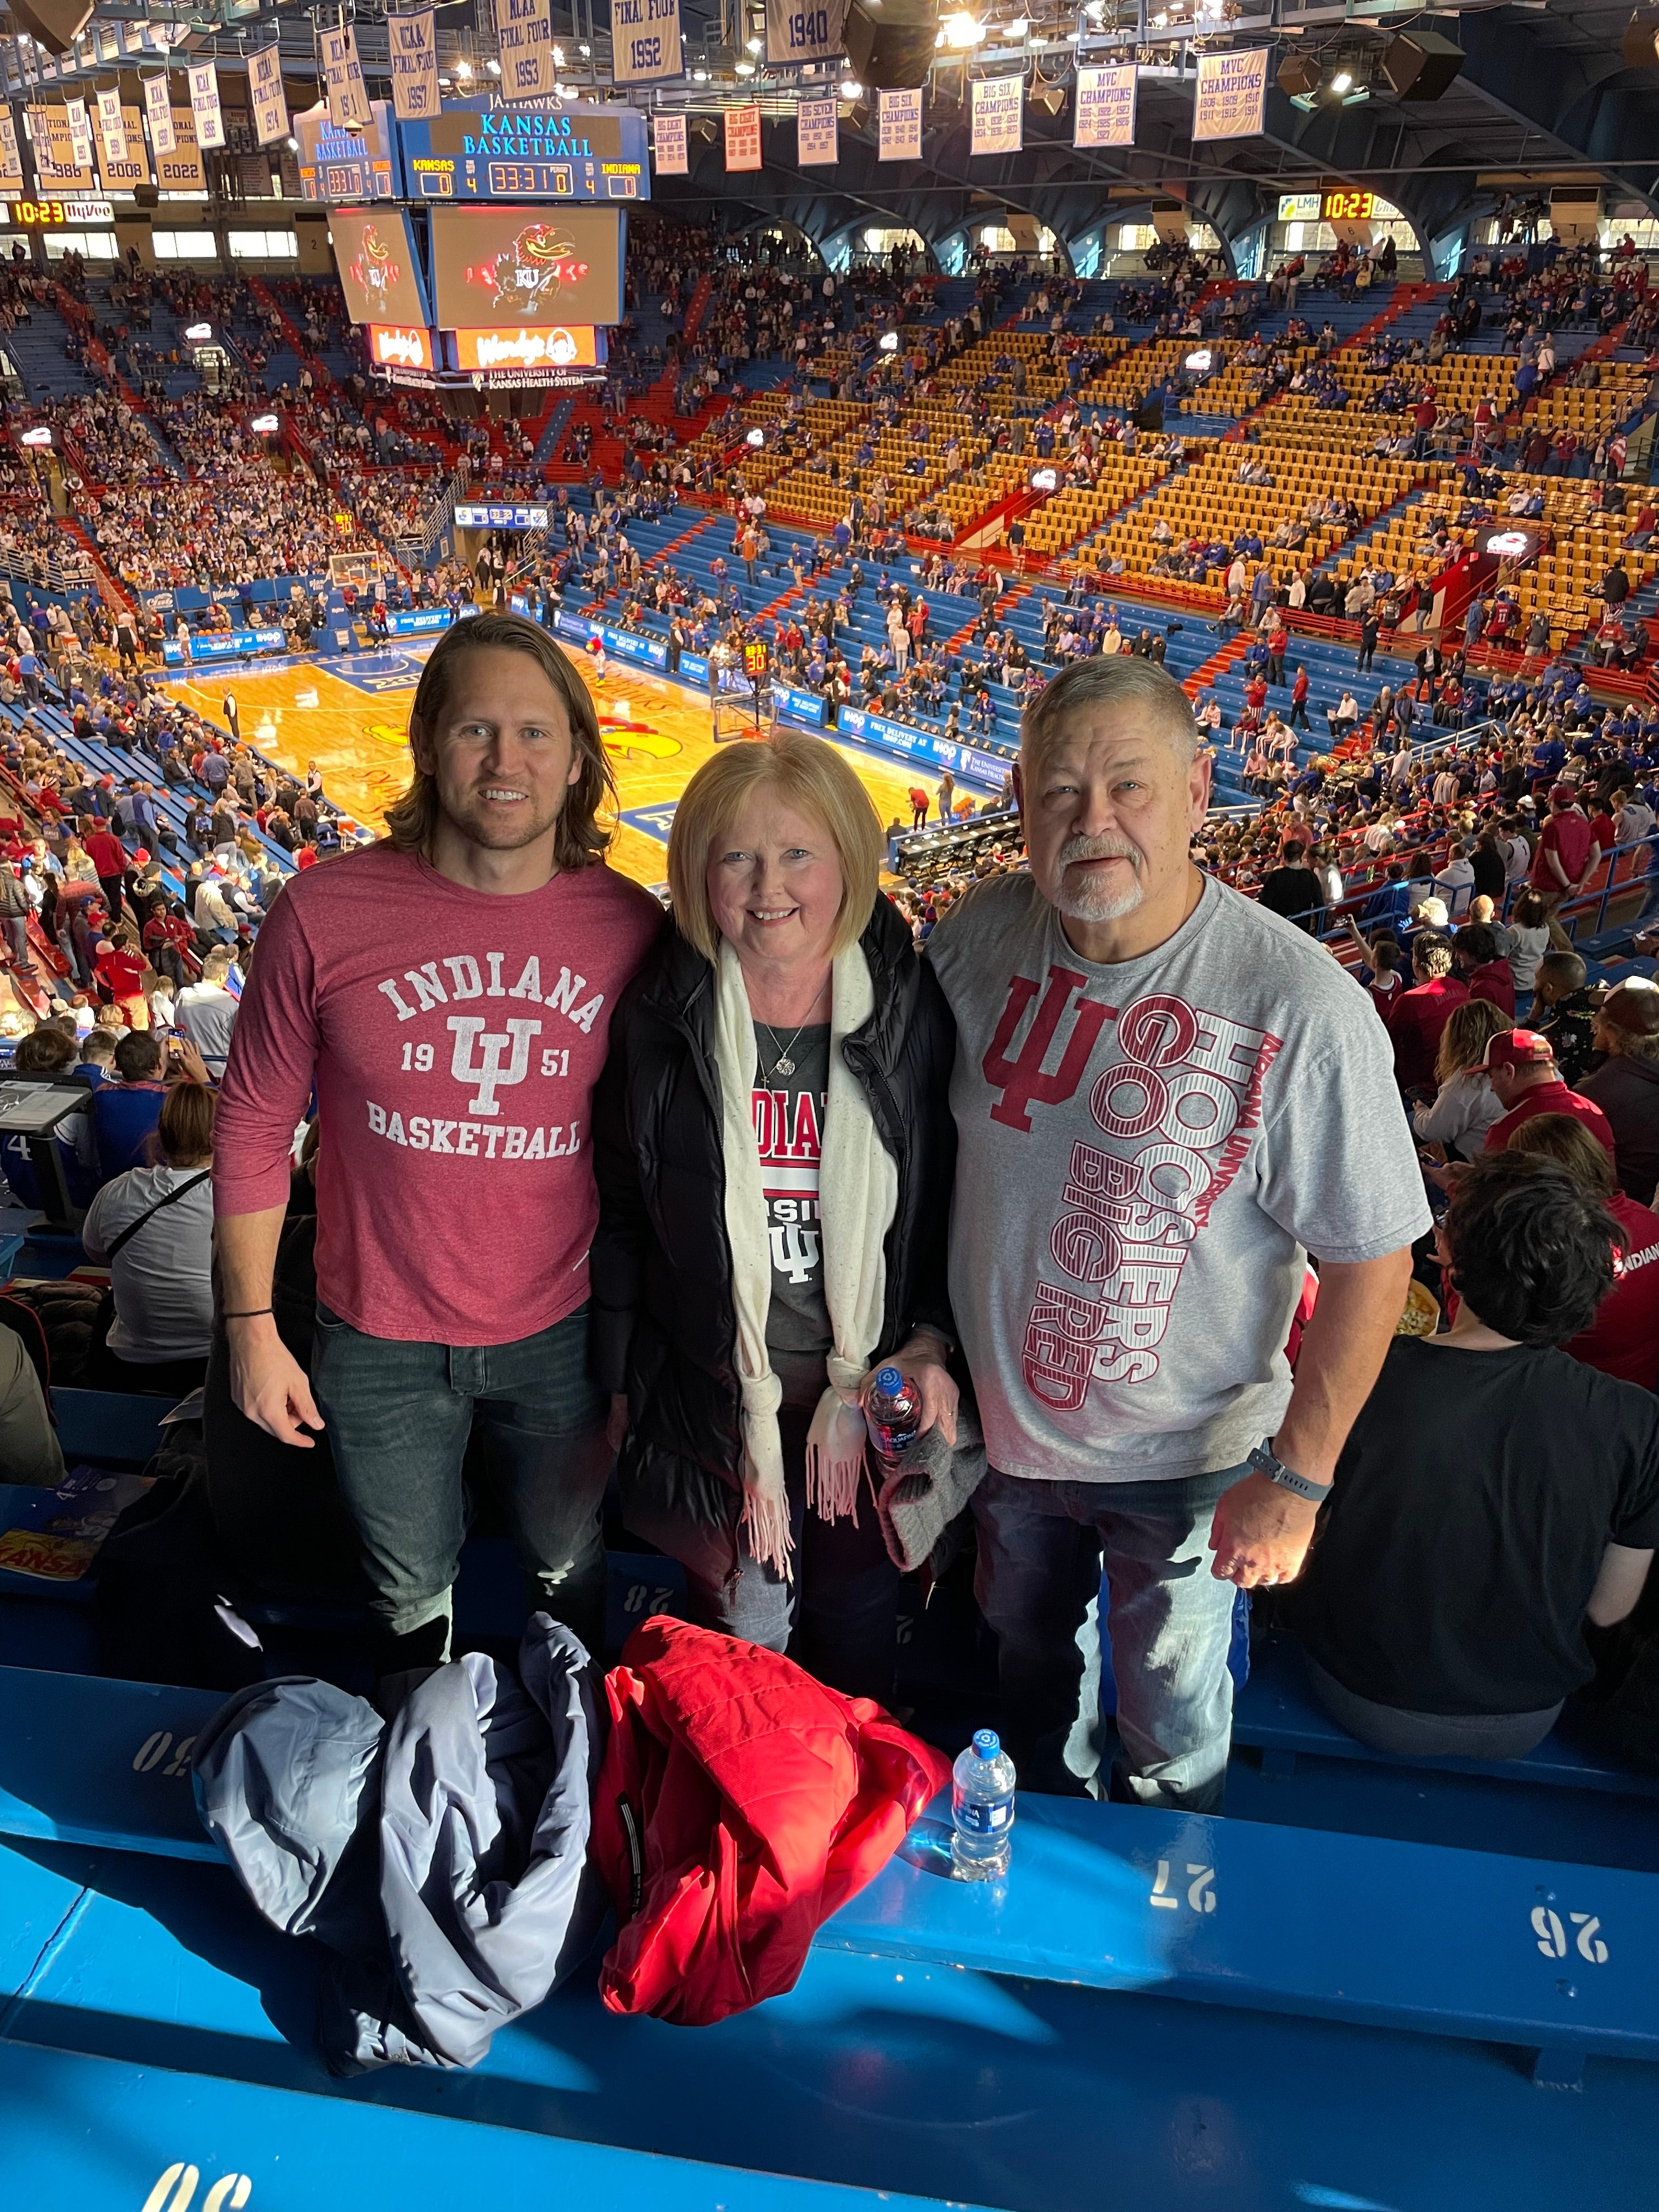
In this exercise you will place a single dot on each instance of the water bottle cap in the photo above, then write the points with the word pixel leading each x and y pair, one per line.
pixel 987 1742
pixel 889 1382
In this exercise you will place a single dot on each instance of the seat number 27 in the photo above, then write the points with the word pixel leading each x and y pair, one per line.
pixel 1200 1888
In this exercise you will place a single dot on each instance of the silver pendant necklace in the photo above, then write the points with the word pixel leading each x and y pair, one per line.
pixel 783 1065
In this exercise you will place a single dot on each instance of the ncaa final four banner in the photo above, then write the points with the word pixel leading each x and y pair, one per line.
pixel 204 104
pixel 798 33
pixel 645 41
pixel 158 106
pixel 524 34
pixel 1231 98
pixel 11 155
pixel 80 131
pixel 112 131
pixel 266 95
pixel 412 41
pixel 343 74
pixel 899 125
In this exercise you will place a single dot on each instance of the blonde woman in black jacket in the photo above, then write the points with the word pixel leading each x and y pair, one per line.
pixel 774 1154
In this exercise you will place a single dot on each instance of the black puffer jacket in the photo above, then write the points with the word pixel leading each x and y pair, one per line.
pixel 664 1328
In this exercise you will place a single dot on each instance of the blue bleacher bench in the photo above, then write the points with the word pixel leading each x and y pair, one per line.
pixel 1277 1711
pixel 1551 1957
pixel 105 2136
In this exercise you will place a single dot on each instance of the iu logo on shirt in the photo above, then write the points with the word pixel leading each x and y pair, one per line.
pixel 788 1127
pixel 1021 1079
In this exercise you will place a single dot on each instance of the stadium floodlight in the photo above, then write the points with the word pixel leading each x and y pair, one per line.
pixel 851 89
pixel 494 68
pixel 960 31
pixel 464 71
pixel 1343 80
pixel 755 46
pixel 745 68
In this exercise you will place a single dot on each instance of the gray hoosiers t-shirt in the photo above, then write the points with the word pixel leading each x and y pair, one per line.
pixel 1145 1154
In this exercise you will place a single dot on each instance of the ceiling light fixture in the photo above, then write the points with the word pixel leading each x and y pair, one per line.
pixel 960 31
pixel 851 89
pixel 1343 80
pixel 464 71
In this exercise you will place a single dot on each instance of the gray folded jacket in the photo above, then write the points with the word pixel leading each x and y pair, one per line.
pixel 932 1484
pixel 442 1857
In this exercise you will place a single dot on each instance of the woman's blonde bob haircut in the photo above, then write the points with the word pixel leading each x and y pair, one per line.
pixel 581 841
pixel 806 775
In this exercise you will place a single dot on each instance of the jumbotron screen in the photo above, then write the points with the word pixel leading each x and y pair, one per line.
pixel 538 265
pixel 375 256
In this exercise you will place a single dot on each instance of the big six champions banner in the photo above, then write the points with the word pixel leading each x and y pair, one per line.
pixel 998 114
pixel 412 41
pixel 1106 106
pixel 899 125
pixel 1231 98
pixel 644 40
pixel 804 30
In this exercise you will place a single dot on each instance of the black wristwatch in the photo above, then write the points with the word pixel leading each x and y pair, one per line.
pixel 1265 1460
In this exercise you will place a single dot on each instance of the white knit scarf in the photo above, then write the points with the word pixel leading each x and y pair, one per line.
pixel 858 1197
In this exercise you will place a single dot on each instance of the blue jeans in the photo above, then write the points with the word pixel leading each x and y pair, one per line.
pixel 399 1418
pixel 838 1618
pixel 1170 1622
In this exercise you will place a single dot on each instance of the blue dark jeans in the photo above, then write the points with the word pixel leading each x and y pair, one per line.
pixel 1041 1546
pixel 838 1618
pixel 399 1418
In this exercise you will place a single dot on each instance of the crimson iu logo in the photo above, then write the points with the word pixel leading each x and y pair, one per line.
pixel 1022 1080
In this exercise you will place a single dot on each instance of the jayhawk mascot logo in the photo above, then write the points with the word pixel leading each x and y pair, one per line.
pixel 374 268
pixel 526 276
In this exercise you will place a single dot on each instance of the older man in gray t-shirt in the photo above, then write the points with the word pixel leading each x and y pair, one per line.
pixel 1165 1099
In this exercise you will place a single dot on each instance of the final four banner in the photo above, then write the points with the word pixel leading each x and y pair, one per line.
pixel 266 94
pixel 158 106
pixel 413 43
pixel 644 40
pixel 816 133
pixel 743 139
pixel 998 114
pixel 1231 100
pixel 812 33
pixel 80 131
pixel 111 130
pixel 11 154
pixel 204 104
pixel 900 126
pixel 343 73
pixel 1106 106
pixel 669 156
pixel 523 31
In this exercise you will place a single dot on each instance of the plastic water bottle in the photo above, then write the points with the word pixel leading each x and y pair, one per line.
pixel 893 1414
pixel 981 1809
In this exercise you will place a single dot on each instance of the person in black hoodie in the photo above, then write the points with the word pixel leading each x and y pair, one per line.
pixel 775 1155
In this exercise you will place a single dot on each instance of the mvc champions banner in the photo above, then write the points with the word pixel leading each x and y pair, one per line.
pixel 524 33
pixel 801 31
pixel 158 106
pixel 413 41
pixel 644 40
pixel 743 139
pixel 900 126
pixel 1231 100
pixel 816 133
pixel 1106 106
pixel 343 73
pixel 266 96
pixel 998 114
pixel 204 104
pixel 670 155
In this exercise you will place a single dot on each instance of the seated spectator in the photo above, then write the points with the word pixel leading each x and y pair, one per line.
pixel 1465 1106
pixel 154 1228
pixel 1626 1087
pixel 1526 1078
pixel 1421 1014
pixel 97 1061
pixel 29 1451
pixel 124 1115
pixel 206 1011
pixel 1564 1010
pixel 1623 1341
pixel 1475 962
pixel 1493 1494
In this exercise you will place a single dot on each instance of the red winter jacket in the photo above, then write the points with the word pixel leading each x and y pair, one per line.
pixel 740 1805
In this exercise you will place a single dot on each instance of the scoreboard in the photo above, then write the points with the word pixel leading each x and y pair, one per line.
pixel 351 166
pixel 521 154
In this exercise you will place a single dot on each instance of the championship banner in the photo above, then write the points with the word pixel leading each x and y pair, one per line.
pixel 998 114
pixel 158 108
pixel 524 33
pixel 669 156
pixel 266 94
pixel 743 139
pixel 111 132
pixel 644 40
pixel 900 126
pixel 795 33
pixel 204 104
pixel 817 134
pixel 55 168
pixel 122 161
pixel 80 131
pixel 343 73
pixel 182 170
pixel 413 40
pixel 1231 100
pixel 11 155
pixel 1106 106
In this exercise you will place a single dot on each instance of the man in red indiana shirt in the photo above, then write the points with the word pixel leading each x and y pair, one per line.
pixel 1521 1068
pixel 1419 1015
pixel 1567 854
pixel 448 992
pixel 108 856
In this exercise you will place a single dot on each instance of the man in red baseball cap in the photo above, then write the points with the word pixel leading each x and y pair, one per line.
pixel 1521 1068
pixel 1567 854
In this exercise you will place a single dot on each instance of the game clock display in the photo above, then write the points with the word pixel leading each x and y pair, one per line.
pixel 58 214
pixel 1345 206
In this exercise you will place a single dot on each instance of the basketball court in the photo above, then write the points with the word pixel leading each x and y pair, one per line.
pixel 352 717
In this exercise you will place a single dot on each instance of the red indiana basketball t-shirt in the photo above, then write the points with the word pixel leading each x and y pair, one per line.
pixel 455 1039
